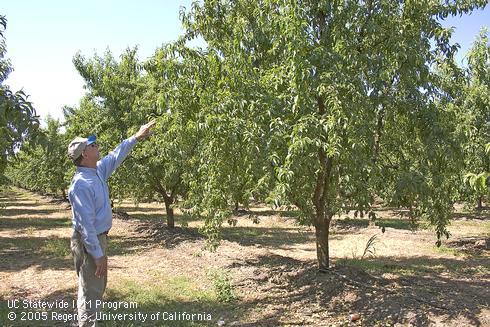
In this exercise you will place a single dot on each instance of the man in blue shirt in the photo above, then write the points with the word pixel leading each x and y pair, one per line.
pixel 92 217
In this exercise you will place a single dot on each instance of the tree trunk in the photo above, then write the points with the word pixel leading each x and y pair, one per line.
pixel 320 201
pixel 170 211
pixel 479 204
pixel 378 133
pixel 169 200
pixel 322 251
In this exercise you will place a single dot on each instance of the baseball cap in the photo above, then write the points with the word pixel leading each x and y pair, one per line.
pixel 79 144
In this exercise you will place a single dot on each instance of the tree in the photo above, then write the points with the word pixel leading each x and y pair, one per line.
pixel 43 165
pixel 475 118
pixel 165 163
pixel 109 108
pixel 344 95
pixel 122 96
pixel 18 118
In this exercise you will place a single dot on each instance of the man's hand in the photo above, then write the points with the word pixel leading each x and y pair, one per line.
pixel 101 264
pixel 144 131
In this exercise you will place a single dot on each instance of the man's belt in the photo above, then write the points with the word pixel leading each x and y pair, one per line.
pixel 103 233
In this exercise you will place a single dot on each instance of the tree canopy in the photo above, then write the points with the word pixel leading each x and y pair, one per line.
pixel 18 118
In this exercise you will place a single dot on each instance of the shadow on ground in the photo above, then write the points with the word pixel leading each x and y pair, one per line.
pixel 419 298
pixel 158 232
pixel 267 236
pixel 36 214
pixel 349 224
pixel 129 209
pixel 151 215
pixel 26 211
pixel 285 214
pixel 19 253
pixel 477 214
pixel 34 223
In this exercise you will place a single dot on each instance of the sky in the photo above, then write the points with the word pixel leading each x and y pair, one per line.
pixel 43 36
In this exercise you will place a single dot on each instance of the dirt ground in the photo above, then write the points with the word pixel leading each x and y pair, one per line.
pixel 404 280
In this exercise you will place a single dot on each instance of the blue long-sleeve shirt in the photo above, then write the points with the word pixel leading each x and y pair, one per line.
pixel 89 197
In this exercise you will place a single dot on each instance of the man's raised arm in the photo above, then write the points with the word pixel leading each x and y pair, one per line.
pixel 110 162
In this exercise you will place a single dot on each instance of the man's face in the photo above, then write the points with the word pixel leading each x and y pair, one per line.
pixel 92 152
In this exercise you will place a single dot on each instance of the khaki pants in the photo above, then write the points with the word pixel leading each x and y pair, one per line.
pixel 90 288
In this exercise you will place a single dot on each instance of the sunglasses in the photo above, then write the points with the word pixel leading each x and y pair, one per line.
pixel 93 144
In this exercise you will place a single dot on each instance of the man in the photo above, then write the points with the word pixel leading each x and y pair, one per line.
pixel 92 217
